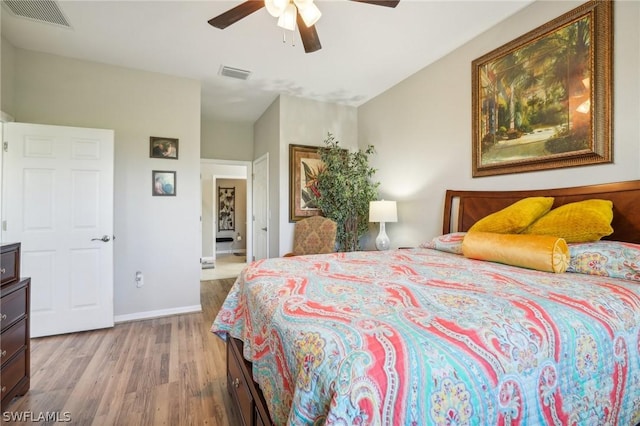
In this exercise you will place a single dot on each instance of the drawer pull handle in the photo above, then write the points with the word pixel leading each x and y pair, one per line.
pixel 3 353
pixel 3 270
pixel 236 382
pixel 3 317
pixel 4 388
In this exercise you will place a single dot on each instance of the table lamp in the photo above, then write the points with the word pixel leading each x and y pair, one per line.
pixel 382 211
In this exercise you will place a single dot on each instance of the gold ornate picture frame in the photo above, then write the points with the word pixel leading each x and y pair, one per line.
pixel 544 100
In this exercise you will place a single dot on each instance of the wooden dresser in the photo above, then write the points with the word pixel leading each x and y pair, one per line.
pixel 14 324
pixel 244 391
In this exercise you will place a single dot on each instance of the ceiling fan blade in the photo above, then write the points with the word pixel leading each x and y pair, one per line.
pixel 387 3
pixel 308 35
pixel 235 14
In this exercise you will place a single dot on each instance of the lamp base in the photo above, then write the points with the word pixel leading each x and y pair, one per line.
pixel 382 240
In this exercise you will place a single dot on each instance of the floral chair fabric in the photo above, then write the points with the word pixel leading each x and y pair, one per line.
pixel 314 235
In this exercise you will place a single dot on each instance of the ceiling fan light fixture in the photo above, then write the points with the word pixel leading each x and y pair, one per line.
pixel 276 7
pixel 289 13
pixel 288 18
pixel 309 12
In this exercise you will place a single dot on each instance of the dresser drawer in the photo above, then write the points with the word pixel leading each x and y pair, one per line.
pixel 13 307
pixel 12 373
pixel 15 345
pixel 12 340
pixel 10 263
pixel 238 386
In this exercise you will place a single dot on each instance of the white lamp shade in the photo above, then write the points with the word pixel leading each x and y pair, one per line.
pixel 383 211
pixel 276 7
pixel 288 18
pixel 309 12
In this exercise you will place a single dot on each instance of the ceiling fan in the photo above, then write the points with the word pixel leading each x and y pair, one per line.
pixel 302 13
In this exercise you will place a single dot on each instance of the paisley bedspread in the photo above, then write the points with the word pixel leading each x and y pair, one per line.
pixel 422 337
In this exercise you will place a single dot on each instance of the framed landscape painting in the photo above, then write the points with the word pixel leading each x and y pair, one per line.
pixel 543 101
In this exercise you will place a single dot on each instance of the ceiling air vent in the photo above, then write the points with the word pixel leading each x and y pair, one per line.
pixel 234 72
pixel 38 10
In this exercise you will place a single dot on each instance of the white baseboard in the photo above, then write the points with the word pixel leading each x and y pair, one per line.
pixel 157 314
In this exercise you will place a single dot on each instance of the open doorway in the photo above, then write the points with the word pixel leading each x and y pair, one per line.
pixel 227 239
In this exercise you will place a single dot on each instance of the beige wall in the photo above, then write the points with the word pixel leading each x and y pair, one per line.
pixel 293 120
pixel 267 142
pixel 307 122
pixel 226 140
pixel 421 127
pixel 7 62
pixel 159 236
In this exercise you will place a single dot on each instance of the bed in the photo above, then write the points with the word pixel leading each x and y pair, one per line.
pixel 425 336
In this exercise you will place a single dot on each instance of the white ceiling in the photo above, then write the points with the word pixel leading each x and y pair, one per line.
pixel 365 49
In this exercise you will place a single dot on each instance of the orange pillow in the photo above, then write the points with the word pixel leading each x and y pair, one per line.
pixel 540 252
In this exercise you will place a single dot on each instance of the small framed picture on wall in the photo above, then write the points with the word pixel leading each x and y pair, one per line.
pixel 163 183
pixel 226 209
pixel 163 148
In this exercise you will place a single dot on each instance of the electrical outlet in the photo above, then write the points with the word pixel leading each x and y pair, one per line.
pixel 139 279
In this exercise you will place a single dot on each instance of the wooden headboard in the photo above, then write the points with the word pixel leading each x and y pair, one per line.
pixel 472 206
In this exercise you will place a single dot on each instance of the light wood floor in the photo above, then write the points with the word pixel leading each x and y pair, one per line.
pixel 165 371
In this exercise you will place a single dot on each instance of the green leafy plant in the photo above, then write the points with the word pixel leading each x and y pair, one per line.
pixel 344 188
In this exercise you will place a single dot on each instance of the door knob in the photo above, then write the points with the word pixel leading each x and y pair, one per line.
pixel 105 238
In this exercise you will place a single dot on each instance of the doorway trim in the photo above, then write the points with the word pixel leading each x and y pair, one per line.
pixel 261 214
pixel 248 169
pixel 4 118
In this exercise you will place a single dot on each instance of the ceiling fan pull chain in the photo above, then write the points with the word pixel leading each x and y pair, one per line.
pixel 293 37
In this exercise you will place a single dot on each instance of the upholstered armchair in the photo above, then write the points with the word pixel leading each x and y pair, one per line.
pixel 314 235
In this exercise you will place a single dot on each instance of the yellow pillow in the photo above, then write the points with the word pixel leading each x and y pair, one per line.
pixel 540 252
pixel 579 222
pixel 514 218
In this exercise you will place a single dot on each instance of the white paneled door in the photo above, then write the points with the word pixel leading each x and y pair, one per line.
pixel 58 202
pixel 261 208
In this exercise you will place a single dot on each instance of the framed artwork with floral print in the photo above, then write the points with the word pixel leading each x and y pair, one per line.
pixel 226 209
pixel 304 165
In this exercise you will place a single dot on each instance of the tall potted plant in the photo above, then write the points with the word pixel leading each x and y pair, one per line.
pixel 344 188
